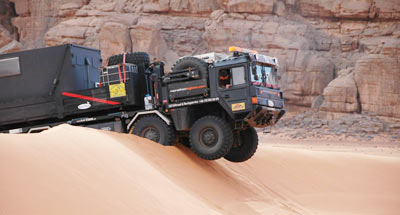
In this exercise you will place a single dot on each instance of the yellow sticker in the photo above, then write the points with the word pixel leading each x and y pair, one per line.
pixel 117 90
pixel 238 106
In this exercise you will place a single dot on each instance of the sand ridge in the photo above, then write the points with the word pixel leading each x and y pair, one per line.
pixel 75 170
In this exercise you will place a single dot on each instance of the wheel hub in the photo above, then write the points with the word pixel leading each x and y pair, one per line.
pixel 151 133
pixel 209 137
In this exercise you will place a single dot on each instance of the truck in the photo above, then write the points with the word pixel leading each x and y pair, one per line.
pixel 211 102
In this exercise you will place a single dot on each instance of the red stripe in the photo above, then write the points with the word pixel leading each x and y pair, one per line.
pixel 119 72
pixel 90 98
pixel 123 63
pixel 124 74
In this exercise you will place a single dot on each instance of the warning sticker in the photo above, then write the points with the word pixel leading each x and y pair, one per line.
pixel 238 106
pixel 117 90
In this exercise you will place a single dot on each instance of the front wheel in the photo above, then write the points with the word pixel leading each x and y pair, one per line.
pixel 244 146
pixel 211 137
pixel 155 129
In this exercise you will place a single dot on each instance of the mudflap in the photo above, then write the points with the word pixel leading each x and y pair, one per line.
pixel 262 117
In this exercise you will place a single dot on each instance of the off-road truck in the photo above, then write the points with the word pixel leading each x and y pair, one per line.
pixel 213 102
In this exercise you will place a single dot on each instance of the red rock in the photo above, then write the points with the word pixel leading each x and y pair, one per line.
pixel 244 6
pixel 341 94
pixel 378 78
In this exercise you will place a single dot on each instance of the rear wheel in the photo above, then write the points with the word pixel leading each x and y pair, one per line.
pixel 211 137
pixel 244 146
pixel 155 129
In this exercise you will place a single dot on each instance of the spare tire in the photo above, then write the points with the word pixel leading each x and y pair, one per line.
pixel 191 62
pixel 140 59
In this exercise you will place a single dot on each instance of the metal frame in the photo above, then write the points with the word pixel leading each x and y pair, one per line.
pixel 166 120
pixel 42 128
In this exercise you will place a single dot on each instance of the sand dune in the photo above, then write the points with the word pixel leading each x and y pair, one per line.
pixel 74 170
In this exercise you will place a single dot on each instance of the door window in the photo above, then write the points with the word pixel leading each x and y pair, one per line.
pixel 231 77
pixel 238 76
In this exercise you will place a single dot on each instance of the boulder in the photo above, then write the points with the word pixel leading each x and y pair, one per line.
pixel 341 94
pixel 378 78
pixel 306 78
pixel 71 31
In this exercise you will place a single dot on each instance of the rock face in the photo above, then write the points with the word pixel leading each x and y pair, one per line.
pixel 378 78
pixel 8 35
pixel 344 54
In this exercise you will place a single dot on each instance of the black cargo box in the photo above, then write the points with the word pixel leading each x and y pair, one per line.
pixel 31 82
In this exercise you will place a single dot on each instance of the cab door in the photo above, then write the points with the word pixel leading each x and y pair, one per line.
pixel 234 90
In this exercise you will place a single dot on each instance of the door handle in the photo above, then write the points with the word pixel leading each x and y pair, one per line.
pixel 227 96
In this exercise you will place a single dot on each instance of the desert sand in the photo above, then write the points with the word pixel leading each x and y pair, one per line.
pixel 75 170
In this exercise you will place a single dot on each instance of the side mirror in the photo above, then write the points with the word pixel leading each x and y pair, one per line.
pixel 256 77
pixel 254 69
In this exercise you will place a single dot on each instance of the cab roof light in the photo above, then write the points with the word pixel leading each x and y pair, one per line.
pixel 238 49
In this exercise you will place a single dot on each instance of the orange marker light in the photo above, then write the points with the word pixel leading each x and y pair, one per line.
pixel 254 100
pixel 238 49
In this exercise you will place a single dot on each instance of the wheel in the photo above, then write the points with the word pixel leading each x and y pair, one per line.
pixel 211 137
pixel 155 129
pixel 140 59
pixel 244 146
pixel 192 62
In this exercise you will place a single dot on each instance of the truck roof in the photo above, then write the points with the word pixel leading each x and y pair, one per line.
pixel 214 57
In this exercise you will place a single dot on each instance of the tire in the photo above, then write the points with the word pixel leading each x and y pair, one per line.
pixel 155 129
pixel 192 62
pixel 211 137
pixel 140 59
pixel 244 146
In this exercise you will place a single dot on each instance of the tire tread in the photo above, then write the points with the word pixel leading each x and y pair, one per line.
pixel 228 138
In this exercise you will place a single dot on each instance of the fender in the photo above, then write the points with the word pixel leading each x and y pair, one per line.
pixel 162 116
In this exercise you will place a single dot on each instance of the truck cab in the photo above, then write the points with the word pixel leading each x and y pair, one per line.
pixel 247 85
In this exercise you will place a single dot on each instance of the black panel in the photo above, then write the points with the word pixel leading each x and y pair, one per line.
pixel 44 74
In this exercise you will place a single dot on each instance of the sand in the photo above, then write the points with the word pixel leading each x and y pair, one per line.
pixel 74 170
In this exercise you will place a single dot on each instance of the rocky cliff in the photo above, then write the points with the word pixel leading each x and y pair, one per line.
pixel 335 55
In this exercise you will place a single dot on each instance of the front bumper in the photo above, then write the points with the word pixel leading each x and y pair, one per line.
pixel 263 116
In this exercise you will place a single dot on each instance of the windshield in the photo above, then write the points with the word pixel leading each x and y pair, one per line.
pixel 264 75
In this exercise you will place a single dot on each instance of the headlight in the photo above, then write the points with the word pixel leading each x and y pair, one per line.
pixel 271 103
